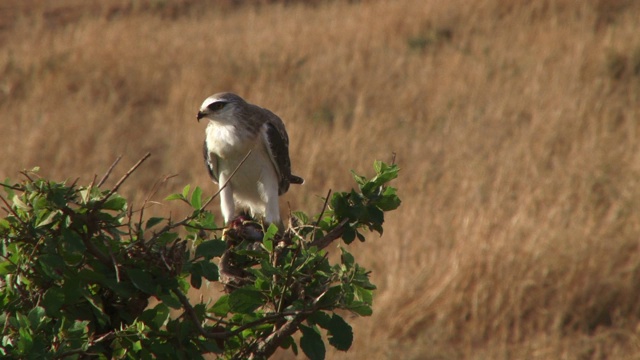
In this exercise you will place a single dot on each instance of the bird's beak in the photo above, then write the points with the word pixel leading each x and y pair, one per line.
pixel 200 115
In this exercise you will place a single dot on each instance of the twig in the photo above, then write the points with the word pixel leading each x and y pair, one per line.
pixel 115 266
pixel 122 180
pixel 12 211
pixel 194 318
pixel 226 182
pixel 153 192
pixel 192 216
pixel 324 207
pixel 12 187
pixel 106 175
pixel 337 231
pixel 268 346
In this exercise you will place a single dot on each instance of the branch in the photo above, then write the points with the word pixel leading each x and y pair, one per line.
pixel 106 175
pixel 337 232
pixel 9 208
pixel 12 187
pixel 196 321
pixel 266 348
pixel 122 180
pixel 324 207
pixel 196 213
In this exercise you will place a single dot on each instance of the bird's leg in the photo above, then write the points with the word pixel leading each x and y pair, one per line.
pixel 272 212
pixel 269 195
pixel 227 204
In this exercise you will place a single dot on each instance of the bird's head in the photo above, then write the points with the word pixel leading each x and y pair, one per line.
pixel 220 107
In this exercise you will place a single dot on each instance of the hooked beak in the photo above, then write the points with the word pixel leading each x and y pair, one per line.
pixel 200 115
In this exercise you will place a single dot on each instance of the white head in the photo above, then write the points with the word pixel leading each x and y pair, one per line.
pixel 222 107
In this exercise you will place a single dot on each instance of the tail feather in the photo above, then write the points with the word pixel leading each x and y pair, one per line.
pixel 293 179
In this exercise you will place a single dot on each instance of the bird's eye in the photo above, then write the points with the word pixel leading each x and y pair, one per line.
pixel 216 106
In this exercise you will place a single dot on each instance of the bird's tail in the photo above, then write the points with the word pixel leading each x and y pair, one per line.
pixel 293 179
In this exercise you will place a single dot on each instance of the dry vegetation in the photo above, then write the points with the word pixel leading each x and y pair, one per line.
pixel 515 124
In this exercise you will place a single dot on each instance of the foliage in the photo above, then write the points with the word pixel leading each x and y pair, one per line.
pixel 78 267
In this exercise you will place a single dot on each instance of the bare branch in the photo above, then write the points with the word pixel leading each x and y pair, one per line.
pixel 122 180
pixel 106 175
pixel 324 207
pixel 12 187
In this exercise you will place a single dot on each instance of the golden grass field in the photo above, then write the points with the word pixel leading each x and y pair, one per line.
pixel 515 123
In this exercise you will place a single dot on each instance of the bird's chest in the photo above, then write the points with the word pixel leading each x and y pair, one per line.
pixel 228 142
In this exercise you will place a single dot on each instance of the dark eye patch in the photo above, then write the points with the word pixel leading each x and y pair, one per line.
pixel 215 106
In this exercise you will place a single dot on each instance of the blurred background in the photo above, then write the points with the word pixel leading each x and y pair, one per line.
pixel 515 124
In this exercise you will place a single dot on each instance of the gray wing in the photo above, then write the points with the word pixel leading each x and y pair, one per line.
pixel 278 146
pixel 210 162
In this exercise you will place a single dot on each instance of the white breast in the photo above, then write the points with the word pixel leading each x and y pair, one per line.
pixel 255 183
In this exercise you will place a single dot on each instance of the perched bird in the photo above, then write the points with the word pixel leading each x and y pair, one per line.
pixel 235 128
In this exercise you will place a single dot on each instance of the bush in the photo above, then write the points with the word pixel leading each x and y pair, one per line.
pixel 78 267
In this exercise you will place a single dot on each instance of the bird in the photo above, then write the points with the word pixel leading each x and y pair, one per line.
pixel 237 127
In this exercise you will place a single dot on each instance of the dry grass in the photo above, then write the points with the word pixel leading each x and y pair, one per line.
pixel 515 124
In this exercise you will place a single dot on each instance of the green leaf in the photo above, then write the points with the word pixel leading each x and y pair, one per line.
pixel 268 245
pixel 289 342
pixel 330 297
pixel 171 300
pixel 311 343
pixel 20 204
pixel 142 280
pixel 389 200
pixel 209 270
pixel 195 280
pixel 25 341
pixel 340 333
pixel 221 307
pixel 375 215
pixel 167 237
pixel 360 308
pixel 185 191
pixel 4 224
pixel 348 235
pixel 245 301
pixel 174 197
pixel 210 249
pixel 51 265
pixel 347 259
pixel 46 220
pixel 377 166
pixel 52 301
pixel 36 316
pixel 304 219
pixel 196 198
pixel 153 222
pixel 271 232
pixel 7 267
pixel 360 180
pixel 156 318
pixel 321 318
pixel 115 202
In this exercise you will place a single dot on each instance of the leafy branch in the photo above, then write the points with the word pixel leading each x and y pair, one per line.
pixel 76 274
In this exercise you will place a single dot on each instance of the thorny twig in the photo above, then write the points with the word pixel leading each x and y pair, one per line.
pixel 197 212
